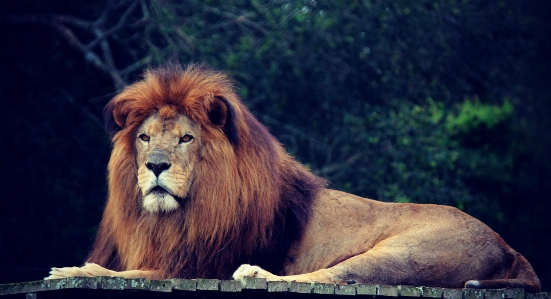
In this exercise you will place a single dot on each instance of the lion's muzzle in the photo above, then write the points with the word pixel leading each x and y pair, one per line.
pixel 157 162
pixel 158 195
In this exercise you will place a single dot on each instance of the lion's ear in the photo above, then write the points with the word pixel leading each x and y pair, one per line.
pixel 221 113
pixel 112 126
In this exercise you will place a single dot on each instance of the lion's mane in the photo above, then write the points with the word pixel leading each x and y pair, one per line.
pixel 248 201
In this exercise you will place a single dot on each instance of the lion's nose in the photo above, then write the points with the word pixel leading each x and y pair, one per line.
pixel 157 168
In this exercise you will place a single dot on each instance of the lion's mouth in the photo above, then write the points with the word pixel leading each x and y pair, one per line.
pixel 158 190
pixel 161 192
pixel 158 199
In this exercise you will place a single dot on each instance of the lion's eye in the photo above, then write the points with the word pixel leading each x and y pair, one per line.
pixel 186 138
pixel 144 137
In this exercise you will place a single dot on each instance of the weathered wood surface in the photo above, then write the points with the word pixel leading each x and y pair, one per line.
pixel 114 287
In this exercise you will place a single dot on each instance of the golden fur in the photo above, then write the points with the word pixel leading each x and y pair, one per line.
pixel 241 199
pixel 247 202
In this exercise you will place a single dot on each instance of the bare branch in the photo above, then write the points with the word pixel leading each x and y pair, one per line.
pixel 136 65
pixel 106 62
pixel 338 168
pixel 104 44
pixel 188 43
pixel 74 21
pixel 239 20
pixel 145 11
pixel 292 130
pixel 70 37
pixel 103 34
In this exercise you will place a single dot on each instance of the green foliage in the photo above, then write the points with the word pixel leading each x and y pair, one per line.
pixel 355 77
pixel 473 114
pixel 405 156
pixel 486 136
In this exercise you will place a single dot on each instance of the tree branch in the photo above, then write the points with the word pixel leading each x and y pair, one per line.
pixel 239 20
pixel 105 63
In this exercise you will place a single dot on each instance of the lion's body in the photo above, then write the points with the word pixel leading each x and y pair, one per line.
pixel 197 187
pixel 396 244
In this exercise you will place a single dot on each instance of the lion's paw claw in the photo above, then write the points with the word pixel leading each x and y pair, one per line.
pixel 57 273
pixel 88 270
pixel 252 271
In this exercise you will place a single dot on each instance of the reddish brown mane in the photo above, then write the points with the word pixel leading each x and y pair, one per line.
pixel 248 201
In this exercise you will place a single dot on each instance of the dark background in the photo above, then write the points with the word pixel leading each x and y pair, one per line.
pixel 442 102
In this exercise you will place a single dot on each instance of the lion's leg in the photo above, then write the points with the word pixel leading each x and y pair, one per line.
pixel 379 265
pixel 323 275
pixel 390 262
pixel 246 270
pixel 91 270
pixel 330 275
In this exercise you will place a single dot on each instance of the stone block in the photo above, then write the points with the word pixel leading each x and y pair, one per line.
pixel 300 287
pixel 473 294
pixel 230 286
pixel 278 286
pixel 386 290
pixel 345 289
pixel 184 284
pixel 494 294
pixel 138 284
pixel 253 283
pixel 514 293
pixel 207 284
pixel 323 288
pixel 538 296
pixel 111 283
pixel 160 286
pixel 409 291
pixel 25 287
pixel 452 293
pixel 366 289
pixel 430 292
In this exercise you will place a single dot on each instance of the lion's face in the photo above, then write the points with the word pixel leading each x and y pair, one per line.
pixel 167 152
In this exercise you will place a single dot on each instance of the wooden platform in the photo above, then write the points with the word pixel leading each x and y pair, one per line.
pixel 114 287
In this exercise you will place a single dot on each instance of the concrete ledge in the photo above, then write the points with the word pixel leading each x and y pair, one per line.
pixel 107 287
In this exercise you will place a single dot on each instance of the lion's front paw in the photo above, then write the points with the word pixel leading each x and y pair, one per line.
pixel 253 271
pixel 56 273
pixel 88 270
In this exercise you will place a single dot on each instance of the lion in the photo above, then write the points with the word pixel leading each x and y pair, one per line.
pixel 198 188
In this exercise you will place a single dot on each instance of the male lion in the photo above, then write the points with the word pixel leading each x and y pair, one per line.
pixel 197 187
